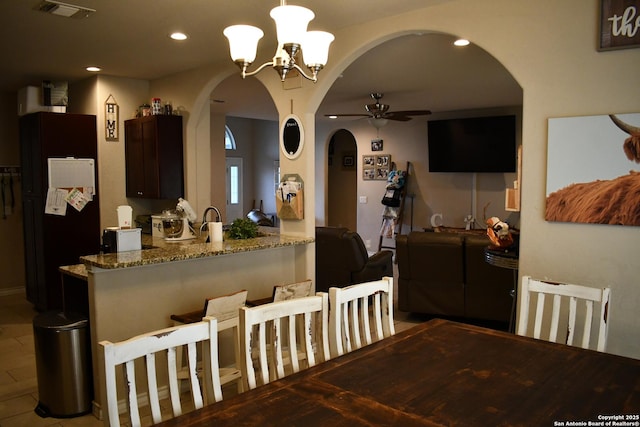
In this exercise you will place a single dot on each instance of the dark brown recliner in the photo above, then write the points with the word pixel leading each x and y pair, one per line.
pixel 342 259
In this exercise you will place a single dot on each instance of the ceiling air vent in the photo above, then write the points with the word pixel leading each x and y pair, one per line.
pixel 64 9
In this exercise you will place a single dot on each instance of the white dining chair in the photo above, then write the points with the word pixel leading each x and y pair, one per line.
pixel 225 309
pixel 270 337
pixel 293 290
pixel 164 343
pixel 352 322
pixel 286 291
pixel 570 317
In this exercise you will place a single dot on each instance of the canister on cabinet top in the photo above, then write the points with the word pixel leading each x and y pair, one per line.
pixel 156 106
pixel 145 110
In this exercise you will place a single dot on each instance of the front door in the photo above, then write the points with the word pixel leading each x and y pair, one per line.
pixel 235 208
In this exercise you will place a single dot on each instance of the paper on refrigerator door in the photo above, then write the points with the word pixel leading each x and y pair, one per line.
pixel 77 199
pixel 56 202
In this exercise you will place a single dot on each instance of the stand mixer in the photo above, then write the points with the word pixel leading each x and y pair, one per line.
pixel 176 223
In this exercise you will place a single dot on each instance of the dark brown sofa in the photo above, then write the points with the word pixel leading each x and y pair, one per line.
pixel 342 259
pixel 445 274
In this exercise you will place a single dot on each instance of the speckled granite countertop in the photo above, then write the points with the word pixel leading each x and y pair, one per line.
pixel 79 271
pixel 162 251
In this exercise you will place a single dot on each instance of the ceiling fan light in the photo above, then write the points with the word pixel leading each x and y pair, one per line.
pixel 243 42
pixel 315 48
pixel 291 23
pixel 378 122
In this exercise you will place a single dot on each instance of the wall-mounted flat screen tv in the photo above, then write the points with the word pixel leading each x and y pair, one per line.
pixel 479 144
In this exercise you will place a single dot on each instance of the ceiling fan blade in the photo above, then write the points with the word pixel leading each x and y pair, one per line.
pixel 412 112
pixel 396 117
pixel 348 115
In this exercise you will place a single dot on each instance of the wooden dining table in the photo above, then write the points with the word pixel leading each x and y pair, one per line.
pixel 442 373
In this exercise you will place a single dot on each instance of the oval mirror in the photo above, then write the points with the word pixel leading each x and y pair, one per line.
pixel 291 136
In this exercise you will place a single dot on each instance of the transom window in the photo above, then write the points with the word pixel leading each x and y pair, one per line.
pixel 229 140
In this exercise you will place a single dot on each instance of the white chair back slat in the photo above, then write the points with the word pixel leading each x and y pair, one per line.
pixel 144 348
pixel 280 353
pixel 539 311
pixel 379 311
pixel 293 341
pixel 555 317
pixel 132 398
pixel 277 340
pixel 573 315
pixel 262 350
pixel 587 326
pixel 350 326
pixel 152 387
pixel 356 321
pixel 571 328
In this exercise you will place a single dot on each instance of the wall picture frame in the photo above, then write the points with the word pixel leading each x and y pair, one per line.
pixel 592 167
pixel 111 119
pixel 368 167
pixel 619 24
pixel 383 166
pixel 368 174
pixel 383 161
pixel 348 161
pixel 376 167
pixel 368 161
pixel 376 144
pixel 291 136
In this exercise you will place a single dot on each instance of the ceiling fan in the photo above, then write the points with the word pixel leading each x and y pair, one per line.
pixel 381 111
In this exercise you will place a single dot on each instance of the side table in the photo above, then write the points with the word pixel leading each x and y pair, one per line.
pixel 506 258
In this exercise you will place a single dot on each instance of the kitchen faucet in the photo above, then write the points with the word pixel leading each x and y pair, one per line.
pixel 203 226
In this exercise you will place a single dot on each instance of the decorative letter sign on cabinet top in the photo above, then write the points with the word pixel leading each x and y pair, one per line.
pixel 153 152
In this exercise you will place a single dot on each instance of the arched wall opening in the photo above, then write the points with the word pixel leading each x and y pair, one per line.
pixel 433 77
pixel 342 182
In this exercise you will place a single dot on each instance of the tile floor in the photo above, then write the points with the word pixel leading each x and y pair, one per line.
pixel 18 383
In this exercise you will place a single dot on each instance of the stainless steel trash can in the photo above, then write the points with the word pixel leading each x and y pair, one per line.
pixel 63 363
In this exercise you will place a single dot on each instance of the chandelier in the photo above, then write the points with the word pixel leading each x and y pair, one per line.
pixel 293 37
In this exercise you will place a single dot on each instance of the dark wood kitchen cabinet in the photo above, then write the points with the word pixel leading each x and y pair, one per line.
pixel 51 241
pixel 154 159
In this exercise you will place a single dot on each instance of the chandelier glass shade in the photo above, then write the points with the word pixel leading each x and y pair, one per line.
pixel 291 28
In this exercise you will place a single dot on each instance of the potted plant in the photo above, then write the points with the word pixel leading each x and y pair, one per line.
pixel 242 228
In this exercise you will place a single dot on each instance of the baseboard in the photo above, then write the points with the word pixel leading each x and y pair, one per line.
pixel 12 291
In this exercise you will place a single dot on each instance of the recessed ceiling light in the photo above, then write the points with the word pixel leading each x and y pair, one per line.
pixel 461 42
pixel 333 117
pixel 93 69
pixel 178 36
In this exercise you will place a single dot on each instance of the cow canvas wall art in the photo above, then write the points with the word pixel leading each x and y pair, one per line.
pixel 593 169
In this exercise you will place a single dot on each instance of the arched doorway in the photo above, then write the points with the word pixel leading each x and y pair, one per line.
pixel 342 180
pixel 254 153
pixel 438 76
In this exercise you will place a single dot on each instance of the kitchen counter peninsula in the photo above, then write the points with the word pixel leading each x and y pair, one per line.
pixel 137 291
pixel 156 250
